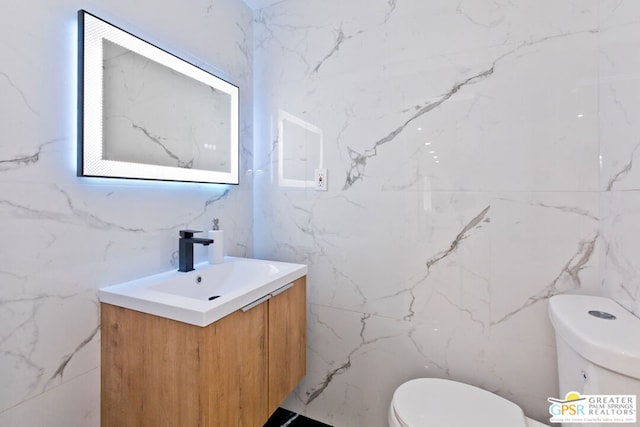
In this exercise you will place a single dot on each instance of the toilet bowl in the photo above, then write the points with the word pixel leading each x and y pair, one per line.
pixel 425 402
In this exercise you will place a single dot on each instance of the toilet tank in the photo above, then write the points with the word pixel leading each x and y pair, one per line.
pixel 598 345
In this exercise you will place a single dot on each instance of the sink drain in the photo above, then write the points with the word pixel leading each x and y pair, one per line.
pixel 211 298
pixel 602 315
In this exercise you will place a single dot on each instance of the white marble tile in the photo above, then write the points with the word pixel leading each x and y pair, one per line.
pixel 356 361
pixel 407 234
pixel 456 255
pixel 527 375
pixel 423 268
pixel 353 367
pixel 619 91
pixel 459 282
pixel 323 38
pixel 41 348
pixel 620 266
pixel 542 244
pixel 74 403
pixel 617 13
pixel 64 236
pixel 485 114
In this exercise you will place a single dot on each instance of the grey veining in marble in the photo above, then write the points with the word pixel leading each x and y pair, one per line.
pixel 480 159
pixel 461 142
pixel 571 271
pixel 26 160
pixel 64 237
pixel 622 173
pixel 19 91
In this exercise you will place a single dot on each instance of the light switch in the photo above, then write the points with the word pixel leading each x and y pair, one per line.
pixel 321 180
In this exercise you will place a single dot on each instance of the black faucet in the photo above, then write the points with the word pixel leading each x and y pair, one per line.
pixel 185 248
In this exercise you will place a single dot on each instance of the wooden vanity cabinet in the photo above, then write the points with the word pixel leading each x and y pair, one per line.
pixel 235 372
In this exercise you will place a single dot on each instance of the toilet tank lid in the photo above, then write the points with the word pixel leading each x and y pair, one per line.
pixel 612 344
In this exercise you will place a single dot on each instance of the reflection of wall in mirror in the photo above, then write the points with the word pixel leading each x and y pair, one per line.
pixel 300 151
pixel 155 115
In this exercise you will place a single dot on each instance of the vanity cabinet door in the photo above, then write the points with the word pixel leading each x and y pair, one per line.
pixel 157 372
pixel 150 370
pixel 234 370
pixel 287 342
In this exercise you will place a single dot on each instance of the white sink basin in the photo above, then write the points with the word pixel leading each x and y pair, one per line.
pixel 206 294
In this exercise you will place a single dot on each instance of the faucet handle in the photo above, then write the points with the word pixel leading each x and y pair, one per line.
pixel 187 234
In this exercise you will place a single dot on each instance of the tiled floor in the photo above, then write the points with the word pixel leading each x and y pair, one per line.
pixel 284 418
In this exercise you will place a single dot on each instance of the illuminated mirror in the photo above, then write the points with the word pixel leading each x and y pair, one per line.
pixel 147 114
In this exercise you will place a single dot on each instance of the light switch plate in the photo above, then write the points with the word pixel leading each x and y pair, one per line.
pixel 320 180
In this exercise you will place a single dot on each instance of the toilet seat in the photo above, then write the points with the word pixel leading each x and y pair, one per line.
pixel 437 402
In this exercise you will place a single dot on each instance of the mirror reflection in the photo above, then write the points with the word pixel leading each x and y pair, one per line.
pixel 143 123
pixel 299 152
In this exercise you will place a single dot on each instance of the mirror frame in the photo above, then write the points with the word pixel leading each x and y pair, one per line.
pixel 90 162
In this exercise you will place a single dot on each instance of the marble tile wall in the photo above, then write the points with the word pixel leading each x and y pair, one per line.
pixel 619 104
pixel 461 141
pixel 418 265
pixel 63 237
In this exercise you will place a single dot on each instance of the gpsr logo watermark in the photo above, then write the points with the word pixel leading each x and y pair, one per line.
pixel 593 408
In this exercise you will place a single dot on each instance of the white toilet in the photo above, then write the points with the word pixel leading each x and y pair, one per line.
pixel 596 355
pixel 427 402
pixel 598 344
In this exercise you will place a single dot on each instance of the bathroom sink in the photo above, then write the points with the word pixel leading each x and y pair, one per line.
pixel 206 294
